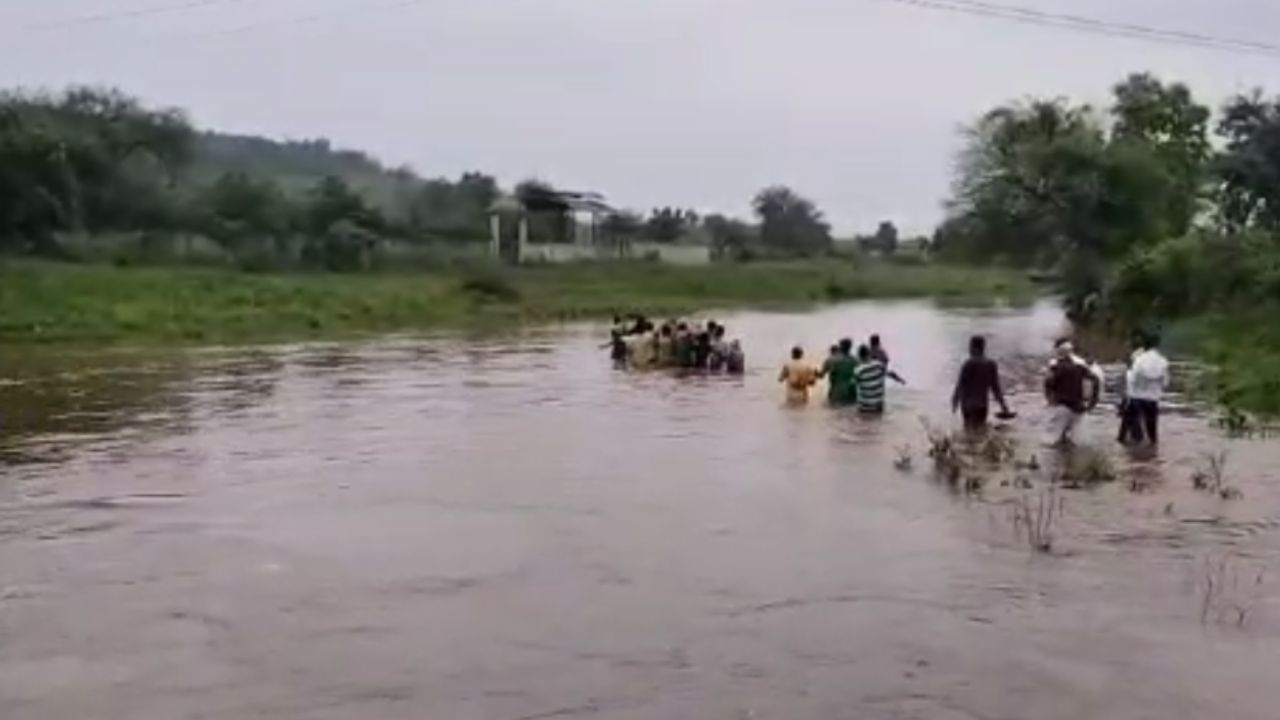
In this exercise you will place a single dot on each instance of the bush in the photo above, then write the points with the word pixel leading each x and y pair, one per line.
pixel 490 285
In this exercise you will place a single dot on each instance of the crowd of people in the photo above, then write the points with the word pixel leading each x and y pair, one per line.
pixel 637 343
pixel 1072 384
pixel 853 379
pixel 1073 388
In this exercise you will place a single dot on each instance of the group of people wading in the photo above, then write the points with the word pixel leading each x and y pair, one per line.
pixel 638 343
pixel 1072 385
pixel 852 379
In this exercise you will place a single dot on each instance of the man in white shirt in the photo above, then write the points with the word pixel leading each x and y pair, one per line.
pixel 1145 383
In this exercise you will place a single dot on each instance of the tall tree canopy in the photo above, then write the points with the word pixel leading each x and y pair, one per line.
pixel 1041 181
pixel 85 159
pixel 790 223
pixel 1248 170
pixel 1166 119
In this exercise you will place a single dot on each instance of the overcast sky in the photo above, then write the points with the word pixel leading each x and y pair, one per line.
pixel 855 103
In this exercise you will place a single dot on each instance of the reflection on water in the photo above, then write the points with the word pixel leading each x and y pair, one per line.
pixel 504 527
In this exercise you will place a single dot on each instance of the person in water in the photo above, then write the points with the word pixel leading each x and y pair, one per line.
pixel 618 349
pixel 642 350
pixel 1065 389
pixel 666 346
pixel 798 376
pixel 702 349
pixel 719 350
pixel 1130 422
pixel 683 346
pixel 870 379
pixel 979 381
pixel 832 355
pixel 839 371
pixel 1145 384
pixel 735 360
pixel 878 352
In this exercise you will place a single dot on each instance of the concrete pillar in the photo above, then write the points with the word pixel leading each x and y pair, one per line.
pixel 495 230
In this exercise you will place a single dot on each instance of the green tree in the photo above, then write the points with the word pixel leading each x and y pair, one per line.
pixel 333 201
pixel 85 159
pixel 790 223
pixel 669 224
pixel 886 238
pixel 730 237
pixel 1041 181
pixel 1248 169
pixel 1167 119
pixel 243 204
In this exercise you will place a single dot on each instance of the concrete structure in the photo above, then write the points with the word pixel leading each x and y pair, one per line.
pixel 574 228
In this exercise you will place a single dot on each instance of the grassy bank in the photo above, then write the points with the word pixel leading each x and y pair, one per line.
pixel 1243 351
pixel 44 302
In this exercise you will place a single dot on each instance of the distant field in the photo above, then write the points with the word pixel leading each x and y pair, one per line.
pixel 47 302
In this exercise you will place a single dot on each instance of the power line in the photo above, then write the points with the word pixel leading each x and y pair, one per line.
pixel 355 8
pixel 129 14
pixel 1079 23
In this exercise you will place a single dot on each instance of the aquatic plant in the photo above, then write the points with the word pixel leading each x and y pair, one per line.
pixel 1036 521
pixel 1210 475
pixel 1224 598
pixel 903 460
pixel 1235 423
pixel 1086 467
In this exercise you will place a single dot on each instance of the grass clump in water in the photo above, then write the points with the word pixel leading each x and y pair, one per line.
pixel 1036 521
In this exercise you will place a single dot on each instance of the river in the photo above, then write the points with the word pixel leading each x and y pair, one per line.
pixel 506 528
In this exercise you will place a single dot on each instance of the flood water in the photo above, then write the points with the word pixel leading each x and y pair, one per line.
pixel 505 528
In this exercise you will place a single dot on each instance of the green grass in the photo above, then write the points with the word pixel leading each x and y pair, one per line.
pixel 1243 350
pixel 45 302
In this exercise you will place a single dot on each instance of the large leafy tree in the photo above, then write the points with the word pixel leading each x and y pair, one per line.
pixel 1166 119
pixel 790 223
pixel 1041 182
pixel 85 159
pixel 1248 170
pixel 729 237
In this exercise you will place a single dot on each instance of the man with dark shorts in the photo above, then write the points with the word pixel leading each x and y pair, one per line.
pixel 979 381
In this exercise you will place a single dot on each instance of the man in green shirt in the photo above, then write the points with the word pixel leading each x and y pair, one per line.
pixel 840 370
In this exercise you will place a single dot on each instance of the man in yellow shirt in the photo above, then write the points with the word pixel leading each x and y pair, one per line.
pixel 798 376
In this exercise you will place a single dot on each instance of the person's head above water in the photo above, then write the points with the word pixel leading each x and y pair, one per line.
pixel 977 346
pixel 797 352
pixel 1150 341
pixel 864 353
pixel 875 341
pixel 846 347
pixel 1064 349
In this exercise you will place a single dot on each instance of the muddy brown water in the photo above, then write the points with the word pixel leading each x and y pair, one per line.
pixel 505 528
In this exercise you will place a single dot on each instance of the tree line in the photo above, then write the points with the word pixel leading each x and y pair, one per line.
pixel 79 165
pixel 1149 208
